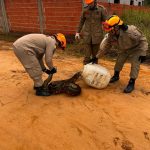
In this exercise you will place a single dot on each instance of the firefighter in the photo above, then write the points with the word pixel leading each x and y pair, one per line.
pixel 91 23
pixel 131 44
pixel 30 50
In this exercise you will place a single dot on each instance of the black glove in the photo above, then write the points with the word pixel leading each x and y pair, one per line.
pixel 46 71
pixel 142 58
pixel 52 71
pixel 94 60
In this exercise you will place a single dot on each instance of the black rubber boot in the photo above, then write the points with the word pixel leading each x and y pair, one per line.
pixel 95 60
pixel 40 91
pixel 130 86
pixel 115 77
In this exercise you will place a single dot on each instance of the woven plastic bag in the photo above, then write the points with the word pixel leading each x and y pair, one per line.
pixel 96 76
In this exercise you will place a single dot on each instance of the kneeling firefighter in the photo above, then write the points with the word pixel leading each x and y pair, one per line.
pixel 131 44
pixel 30 50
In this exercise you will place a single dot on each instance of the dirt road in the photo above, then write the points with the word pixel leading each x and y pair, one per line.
pixel 96 120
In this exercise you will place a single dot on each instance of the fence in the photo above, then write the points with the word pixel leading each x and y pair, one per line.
pixel 0 20
pixel 47 16
pixel 43 15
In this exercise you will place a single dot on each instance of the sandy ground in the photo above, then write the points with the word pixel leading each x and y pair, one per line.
pixel 96 120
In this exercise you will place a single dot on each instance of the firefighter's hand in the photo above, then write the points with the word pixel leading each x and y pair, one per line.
pixel 142 58
pixel 53 70
pixel 77 36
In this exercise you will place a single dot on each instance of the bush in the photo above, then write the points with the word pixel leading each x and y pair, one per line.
pixel 141 19
pixel 147 2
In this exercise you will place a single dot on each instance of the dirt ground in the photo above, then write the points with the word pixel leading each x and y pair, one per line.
pixel 96 120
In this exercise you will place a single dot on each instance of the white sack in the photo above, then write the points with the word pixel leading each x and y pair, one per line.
pixel 96 76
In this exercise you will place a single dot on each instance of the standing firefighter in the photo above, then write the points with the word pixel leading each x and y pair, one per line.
pixel 91 22
pixel 132 44
pixel 30 50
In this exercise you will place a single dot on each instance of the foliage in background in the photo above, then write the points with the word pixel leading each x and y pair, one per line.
pixel 141 19
pixel 147 2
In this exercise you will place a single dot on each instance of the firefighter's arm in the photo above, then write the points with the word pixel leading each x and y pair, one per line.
pixel 42 63
pixel 105 45
pixel 81 23
pixel 49 54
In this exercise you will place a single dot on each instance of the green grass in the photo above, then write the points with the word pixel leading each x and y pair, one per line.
pixel 75 49
pixel 141 19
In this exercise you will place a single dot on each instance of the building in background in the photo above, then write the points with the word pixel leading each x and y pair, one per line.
pixel 126 2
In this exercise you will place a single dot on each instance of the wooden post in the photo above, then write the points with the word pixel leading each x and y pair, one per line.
pixel 4 17
pixel 41 18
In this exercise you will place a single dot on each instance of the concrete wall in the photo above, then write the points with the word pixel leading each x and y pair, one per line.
pixel 127 2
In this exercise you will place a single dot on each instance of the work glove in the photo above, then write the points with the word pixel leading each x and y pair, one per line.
pixel 52 71
pixel 142 58
pixel 77 36
pixel 93 60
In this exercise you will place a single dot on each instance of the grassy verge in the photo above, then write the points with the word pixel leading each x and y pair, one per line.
pixel 138 18
pixel 141 19
pixel 10 37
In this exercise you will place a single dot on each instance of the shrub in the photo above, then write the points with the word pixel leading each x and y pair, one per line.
pixel 141 19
